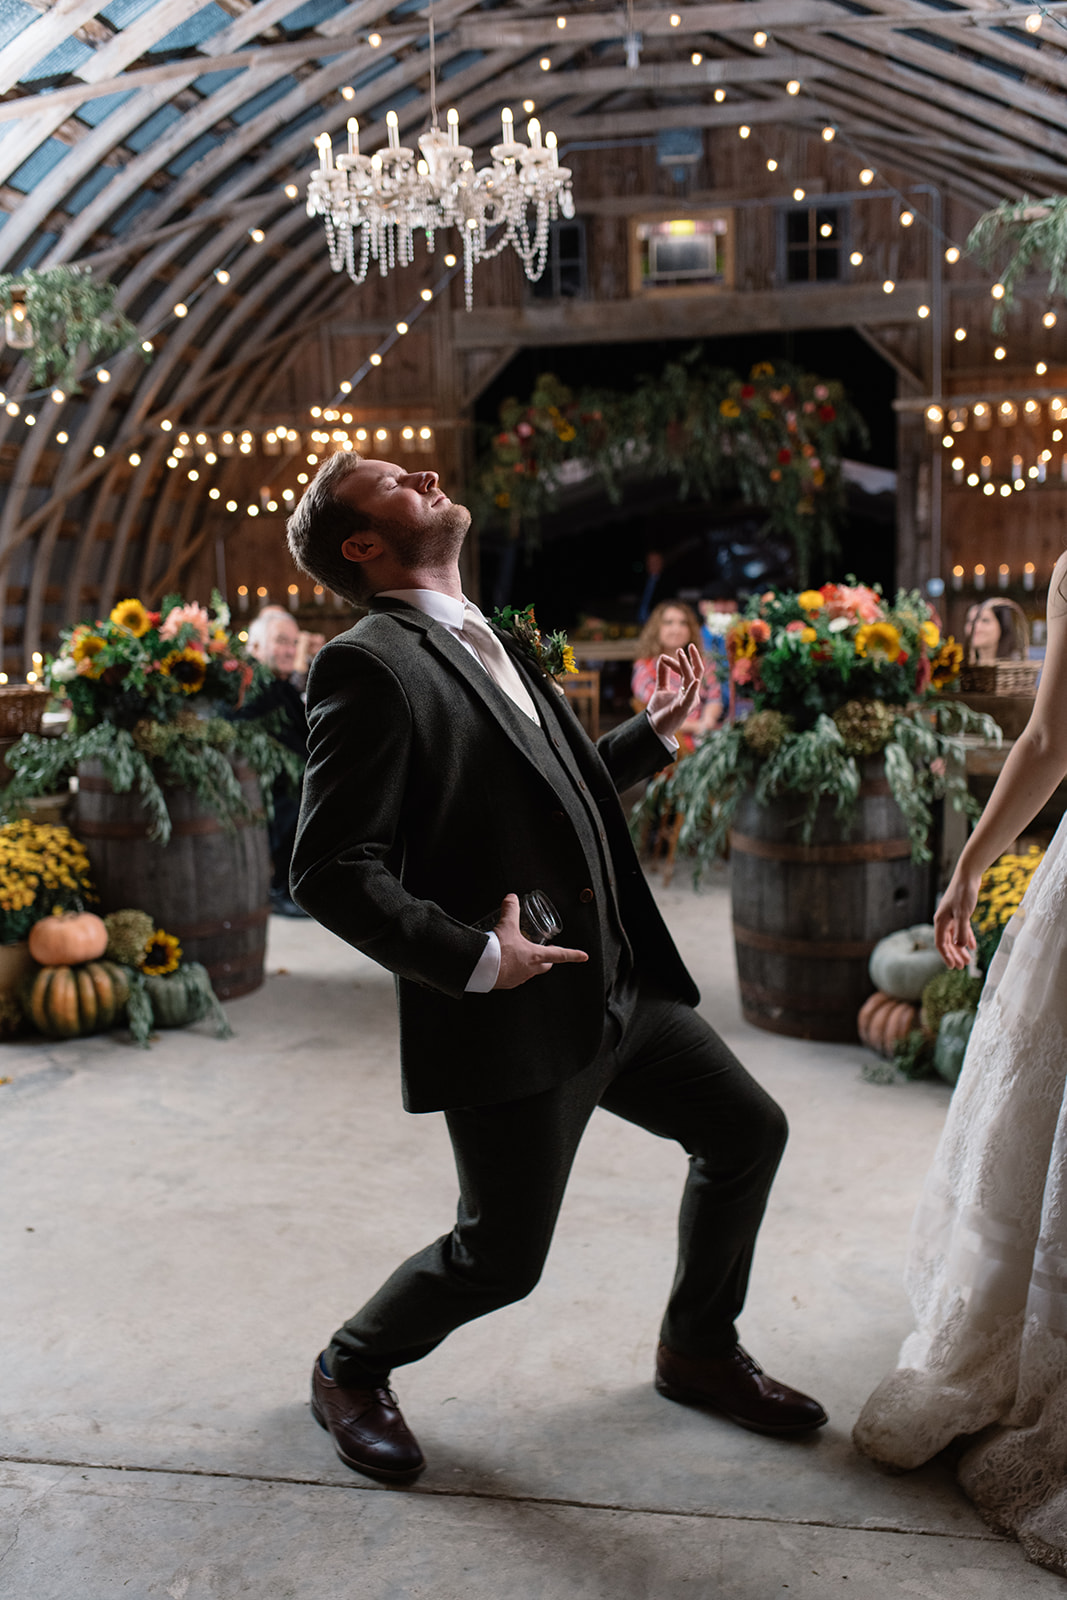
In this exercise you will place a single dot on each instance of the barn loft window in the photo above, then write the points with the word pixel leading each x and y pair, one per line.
pixel 564 277
pixel 813 244
pixel 682 252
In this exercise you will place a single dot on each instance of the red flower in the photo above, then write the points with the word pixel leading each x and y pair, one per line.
pixel 827 413
pixel 785 457
pixel 747 391
pixel 923 674
pixel 153 618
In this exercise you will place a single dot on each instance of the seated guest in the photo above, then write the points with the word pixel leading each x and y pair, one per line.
pixel 274 638
pixel 673 626
pixel 996 632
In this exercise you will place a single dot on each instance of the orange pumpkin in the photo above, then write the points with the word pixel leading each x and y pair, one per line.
pixel 68 939
pixel 883 1020
pixel 64 1002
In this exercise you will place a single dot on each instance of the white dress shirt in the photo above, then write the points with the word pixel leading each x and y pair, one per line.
pixel 444 609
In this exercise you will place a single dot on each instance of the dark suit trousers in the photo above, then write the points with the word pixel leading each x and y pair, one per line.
pixel 660 1067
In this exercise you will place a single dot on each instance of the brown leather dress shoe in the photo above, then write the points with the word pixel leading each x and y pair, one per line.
pixel 367 1429
pixel 739 1388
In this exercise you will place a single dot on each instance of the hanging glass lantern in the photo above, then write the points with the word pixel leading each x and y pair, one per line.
pixel 18 329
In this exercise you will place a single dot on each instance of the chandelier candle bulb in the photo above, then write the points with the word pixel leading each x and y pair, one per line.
pixel 392 124
pixel 1028 576
pixel 353 136
pixel 979 576
pixel 550 146
pixel 986 468
pixel 325 148
pixel 507 126
pixel 957 578
pixel 1003 576
pixel 533 129
pixel 294 597
pixel 453 126
pixel 1016 467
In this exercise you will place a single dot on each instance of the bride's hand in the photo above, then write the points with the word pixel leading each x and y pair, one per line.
pixel 953 933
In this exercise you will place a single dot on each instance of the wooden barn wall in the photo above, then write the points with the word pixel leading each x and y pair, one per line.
pixel 176 537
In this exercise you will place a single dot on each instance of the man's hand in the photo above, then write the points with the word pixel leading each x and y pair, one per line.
pixel 673 705
pixel 519 959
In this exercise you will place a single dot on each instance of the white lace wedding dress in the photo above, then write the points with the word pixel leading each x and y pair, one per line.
pixel 987 1267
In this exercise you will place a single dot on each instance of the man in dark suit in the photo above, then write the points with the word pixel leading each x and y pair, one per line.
pixel 446 775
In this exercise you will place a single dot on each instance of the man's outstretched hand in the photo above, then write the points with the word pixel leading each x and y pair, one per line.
pixel 673 704
pixel 519 959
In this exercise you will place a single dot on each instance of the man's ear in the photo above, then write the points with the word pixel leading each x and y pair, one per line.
pixel 362 547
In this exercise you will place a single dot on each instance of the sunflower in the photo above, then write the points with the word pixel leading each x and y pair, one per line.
pixel 85 652
pixel 187 667
pixel 163 955
pixel 930 634
pixel 131 615
pixel 569 663
pixel 878 639
pixel 947 663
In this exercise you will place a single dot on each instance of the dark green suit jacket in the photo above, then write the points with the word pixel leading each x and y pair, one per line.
pixel 427 798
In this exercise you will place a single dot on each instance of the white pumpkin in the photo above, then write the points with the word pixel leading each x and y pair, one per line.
pixel 903 963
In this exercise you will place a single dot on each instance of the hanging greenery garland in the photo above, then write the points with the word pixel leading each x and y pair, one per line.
pixel 776 437
pixel 1031 230
pixel 72 318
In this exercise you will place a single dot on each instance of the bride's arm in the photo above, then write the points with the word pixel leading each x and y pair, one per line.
pixel 1036 764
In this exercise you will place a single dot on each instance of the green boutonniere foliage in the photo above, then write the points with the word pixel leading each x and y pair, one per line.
pixel 549 651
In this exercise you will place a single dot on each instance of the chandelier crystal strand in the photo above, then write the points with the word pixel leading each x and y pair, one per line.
pixel 393 195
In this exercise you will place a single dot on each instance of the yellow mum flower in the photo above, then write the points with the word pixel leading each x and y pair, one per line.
pixel 163 955
pixel 930 634
pixel 131 615
pixel 878 639
pixel 810 600
pixel 808 635
pixel 729 408
pixel 187 667
pixel 569 663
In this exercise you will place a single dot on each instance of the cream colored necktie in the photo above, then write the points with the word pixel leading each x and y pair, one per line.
pixel 496 661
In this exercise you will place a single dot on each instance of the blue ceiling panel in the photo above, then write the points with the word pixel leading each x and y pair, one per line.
pixel 14 16
pixel 141 201
pixel 261 101
pixel 38 166
pixel 459 63
pixel 311 14
pixel 192 154
pixel 149 131
pixel 39 248
pixel 88 190
pixel 66 57
pixel 214 80
pixel 395 101
pixel 120 13
pixel 194 30
pixel 94 111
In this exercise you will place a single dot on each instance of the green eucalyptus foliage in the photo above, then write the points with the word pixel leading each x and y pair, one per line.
pixel 73 318
pixel 1021 233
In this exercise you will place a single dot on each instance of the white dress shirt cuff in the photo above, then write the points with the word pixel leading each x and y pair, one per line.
pixel 666 739
pixel 487 971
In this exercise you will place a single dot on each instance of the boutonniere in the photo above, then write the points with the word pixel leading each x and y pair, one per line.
pixel 549 651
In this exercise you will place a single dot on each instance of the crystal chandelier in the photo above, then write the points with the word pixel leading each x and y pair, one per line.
pixel 373 206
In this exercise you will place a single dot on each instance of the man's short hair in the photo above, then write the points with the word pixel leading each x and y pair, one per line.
pixel 320 525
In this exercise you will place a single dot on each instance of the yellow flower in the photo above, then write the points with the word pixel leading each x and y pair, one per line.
pixel 763 369
pixel 810 600
pixel 947 663
pixel 503 500
pixel 878 639
pixel 131 615
pixel 930 634
pixel 163 955
pixel 808 635
pixel 187 668
pixel 85 653
pixel 569 663
pixel 729 408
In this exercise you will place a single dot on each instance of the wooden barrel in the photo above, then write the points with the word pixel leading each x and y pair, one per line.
pixel 806 917
pixel 209 886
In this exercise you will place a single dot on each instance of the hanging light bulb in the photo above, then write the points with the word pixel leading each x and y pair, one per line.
pixel 18 329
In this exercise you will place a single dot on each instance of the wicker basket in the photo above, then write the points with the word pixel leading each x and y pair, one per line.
pixel 21 708
pixel 1000 677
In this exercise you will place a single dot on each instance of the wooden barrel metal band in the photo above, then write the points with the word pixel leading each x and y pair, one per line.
pixel 806 949
pixel 225 970
pixel 782 1001
pixel 94 785
pixel 210 930
pixel 184 828
pixel 791 1029
pixel 874 786
pixel 821 855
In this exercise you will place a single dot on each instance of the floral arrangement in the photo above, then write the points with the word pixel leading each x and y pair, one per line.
pixel 836 676
pixel 1000 897
pixel 776 437
pixel 549 651
pixel 43 868
pixel 146 689
pixel 70 315
pixel 164 990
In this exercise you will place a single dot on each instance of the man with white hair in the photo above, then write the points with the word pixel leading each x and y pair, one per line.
pixel 274 638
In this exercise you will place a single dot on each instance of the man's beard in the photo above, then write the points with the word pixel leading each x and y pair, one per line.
pixel 436 544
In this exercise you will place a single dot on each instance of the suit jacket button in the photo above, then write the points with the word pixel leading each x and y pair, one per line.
pixel 585 896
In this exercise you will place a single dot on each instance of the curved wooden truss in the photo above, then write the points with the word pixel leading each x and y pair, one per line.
pixel 150 150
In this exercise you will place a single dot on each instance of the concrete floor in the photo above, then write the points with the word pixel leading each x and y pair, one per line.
pixel 183 1228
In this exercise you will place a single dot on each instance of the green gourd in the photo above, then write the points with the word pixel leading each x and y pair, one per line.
pixel 183 997
pixel 903 963
pixel 952 1039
